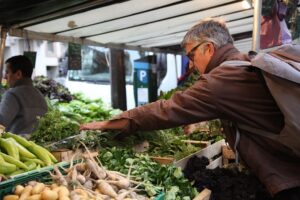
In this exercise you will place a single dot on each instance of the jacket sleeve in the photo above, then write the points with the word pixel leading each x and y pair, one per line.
pixel 9 108
pixel 190 106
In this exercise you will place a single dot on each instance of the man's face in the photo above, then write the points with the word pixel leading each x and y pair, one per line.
pixel 11 77
pixel 199 54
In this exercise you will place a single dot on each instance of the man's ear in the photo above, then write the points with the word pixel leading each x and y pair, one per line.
pixel 19 74
pixel 211 49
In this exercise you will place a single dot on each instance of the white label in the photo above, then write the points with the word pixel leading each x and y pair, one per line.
pixel 142 95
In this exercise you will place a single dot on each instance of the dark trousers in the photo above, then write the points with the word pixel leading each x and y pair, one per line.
pixel 290 194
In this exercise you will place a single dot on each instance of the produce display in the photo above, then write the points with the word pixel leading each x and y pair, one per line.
pixel 83 109
pixel 19 155
pixel 83 181
pixel 53 126
pixel 124 168
pixel 52 89
pixel 156 177
pixel 63 118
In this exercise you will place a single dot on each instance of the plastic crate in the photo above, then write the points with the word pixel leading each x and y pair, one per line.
pixel 41 175
pixel 160 197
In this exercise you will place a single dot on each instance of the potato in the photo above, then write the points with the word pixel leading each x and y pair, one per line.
pixel 35 197
pixel 64 198
pixel 63 191
pixel 83 194
pixel 38 188
pixel 19 189
pixel 46 188
pixel 56 189
pixel 26 192
pixel 11 197
pixel 54 185
pixel 49 195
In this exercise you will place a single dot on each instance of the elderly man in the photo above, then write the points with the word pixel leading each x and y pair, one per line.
pixel 22 103
pixel 236 95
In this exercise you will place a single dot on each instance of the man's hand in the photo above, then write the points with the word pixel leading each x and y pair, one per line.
pixel 94 126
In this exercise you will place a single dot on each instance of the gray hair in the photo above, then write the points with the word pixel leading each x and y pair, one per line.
pixel 209 30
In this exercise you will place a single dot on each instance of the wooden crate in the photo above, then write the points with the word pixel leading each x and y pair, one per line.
pixel 228 155
pixel 197 142
pixel 163 160
pixel 203 195
pixel 210 152
pixel 63 155
pixel 214 153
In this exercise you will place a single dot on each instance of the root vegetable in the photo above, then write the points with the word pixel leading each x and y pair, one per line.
pixel 26 192
pixel 11 197
pixel 60 177
pixel 93 167
pixel 54 185
pixel 46 188
pixel 56 190
pixel 81 178
pixel 82 194
pixel 19 189
pixel 88 184
pixel 32 183
pixel 35 197
pixel 122 183
pixel 74 175
pixel 38 188
pixel 106 188
pixel 75 196
pixel 81 167
pixel 123 195
pixel 63 191
pixel 49 195
pixel 64 198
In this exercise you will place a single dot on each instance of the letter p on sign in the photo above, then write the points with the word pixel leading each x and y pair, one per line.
pixel 143 76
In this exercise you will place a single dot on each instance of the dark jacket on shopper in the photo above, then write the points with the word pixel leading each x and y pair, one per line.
pixel 20 106
pixel 234 94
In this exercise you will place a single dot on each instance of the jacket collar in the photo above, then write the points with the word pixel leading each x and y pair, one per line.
pixel 23 81
pixel 227 52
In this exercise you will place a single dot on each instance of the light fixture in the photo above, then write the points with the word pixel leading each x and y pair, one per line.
pixel 247 4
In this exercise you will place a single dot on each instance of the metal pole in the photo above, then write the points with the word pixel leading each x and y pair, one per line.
pixel 2 49
pixel 256 25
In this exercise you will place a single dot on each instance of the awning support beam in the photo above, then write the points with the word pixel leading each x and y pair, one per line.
pixel 256 25
pixel 2 48
pixel 66 39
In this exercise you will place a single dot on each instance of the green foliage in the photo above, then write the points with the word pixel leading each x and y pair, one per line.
pixel 156 177
pixel 53 126
pixel 190 81
pixel 52 89
pixel 83 109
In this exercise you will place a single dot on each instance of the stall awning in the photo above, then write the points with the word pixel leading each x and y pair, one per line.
pixel 134 23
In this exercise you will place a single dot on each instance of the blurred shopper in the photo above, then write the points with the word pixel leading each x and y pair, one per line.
pixel 21 104
pixel 234 94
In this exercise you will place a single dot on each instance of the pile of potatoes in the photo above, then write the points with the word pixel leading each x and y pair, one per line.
pixel 39 191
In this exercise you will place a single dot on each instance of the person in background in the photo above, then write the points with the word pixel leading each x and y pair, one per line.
pixel 236 95
pixel 21 104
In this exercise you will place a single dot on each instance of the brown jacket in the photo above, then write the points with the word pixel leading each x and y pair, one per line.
pixel 236 94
